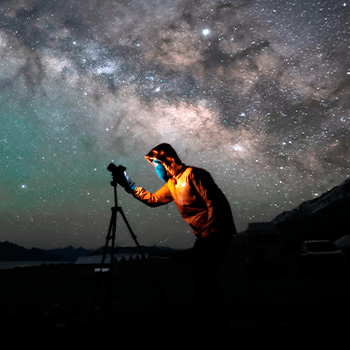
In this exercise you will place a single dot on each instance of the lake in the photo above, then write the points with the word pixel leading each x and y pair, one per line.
pixel 12 264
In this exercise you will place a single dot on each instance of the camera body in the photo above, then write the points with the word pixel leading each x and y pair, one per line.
pixel 118 174
pixel 116 169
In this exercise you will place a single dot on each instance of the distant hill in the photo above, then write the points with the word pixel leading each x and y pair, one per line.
pixel 13 252
pixel 325 217
pixel 154 250
pixel 71 252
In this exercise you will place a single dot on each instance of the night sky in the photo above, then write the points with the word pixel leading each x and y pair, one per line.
pixel 257 92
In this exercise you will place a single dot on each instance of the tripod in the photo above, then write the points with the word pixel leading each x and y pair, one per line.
pixel 111 236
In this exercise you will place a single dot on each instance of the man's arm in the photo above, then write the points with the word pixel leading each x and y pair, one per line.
pixel 161 197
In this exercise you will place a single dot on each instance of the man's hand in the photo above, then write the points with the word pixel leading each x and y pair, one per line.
pixel 124 181
pixel 120 177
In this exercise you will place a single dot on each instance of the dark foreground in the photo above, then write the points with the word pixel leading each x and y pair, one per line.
pixel 50 307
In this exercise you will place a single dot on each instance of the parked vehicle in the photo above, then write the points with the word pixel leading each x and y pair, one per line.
pixel 263 245
pixel 321 253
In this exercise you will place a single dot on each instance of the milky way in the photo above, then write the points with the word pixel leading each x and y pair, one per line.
pixel 256 92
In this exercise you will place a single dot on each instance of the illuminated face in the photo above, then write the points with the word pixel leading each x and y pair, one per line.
pixel 160 170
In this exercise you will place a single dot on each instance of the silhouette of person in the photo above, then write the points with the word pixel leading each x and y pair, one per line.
pixel 205 208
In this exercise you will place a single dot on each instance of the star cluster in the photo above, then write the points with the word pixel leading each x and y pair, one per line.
pixel 256 92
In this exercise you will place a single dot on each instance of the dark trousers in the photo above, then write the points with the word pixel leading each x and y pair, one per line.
pixel 207 257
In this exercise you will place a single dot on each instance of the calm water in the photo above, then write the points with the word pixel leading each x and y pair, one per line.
pixel 12 264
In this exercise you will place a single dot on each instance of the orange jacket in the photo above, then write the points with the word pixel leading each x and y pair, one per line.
pixel 200 201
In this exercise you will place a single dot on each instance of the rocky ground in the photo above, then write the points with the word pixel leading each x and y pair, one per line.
pixel 50 306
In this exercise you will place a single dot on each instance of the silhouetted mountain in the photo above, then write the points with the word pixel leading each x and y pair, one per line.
pixel 71 252
pixel 154 250
pixel 325 217
pixel 3 257
pixel 13 252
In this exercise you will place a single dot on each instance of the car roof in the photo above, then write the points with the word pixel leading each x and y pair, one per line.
pixel 318 240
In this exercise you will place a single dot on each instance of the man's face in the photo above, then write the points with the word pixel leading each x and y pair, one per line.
pixel 160 170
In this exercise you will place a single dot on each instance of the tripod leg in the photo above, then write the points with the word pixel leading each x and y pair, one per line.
pixel 112 226
pixel 143 256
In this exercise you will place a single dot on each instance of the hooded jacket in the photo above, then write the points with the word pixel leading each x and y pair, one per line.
pixel 199 200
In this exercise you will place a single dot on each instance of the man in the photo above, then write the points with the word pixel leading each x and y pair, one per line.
pixel 203 206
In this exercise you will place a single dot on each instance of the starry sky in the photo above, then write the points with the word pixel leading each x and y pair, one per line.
pixel 255 91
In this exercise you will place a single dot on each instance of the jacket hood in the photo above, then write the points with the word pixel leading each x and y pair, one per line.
pixel 166 154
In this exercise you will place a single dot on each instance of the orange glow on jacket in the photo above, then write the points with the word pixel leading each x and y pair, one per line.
pixel 199 200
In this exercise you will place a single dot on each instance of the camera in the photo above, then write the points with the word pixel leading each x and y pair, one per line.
pixel 118 174
pixel 116 169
